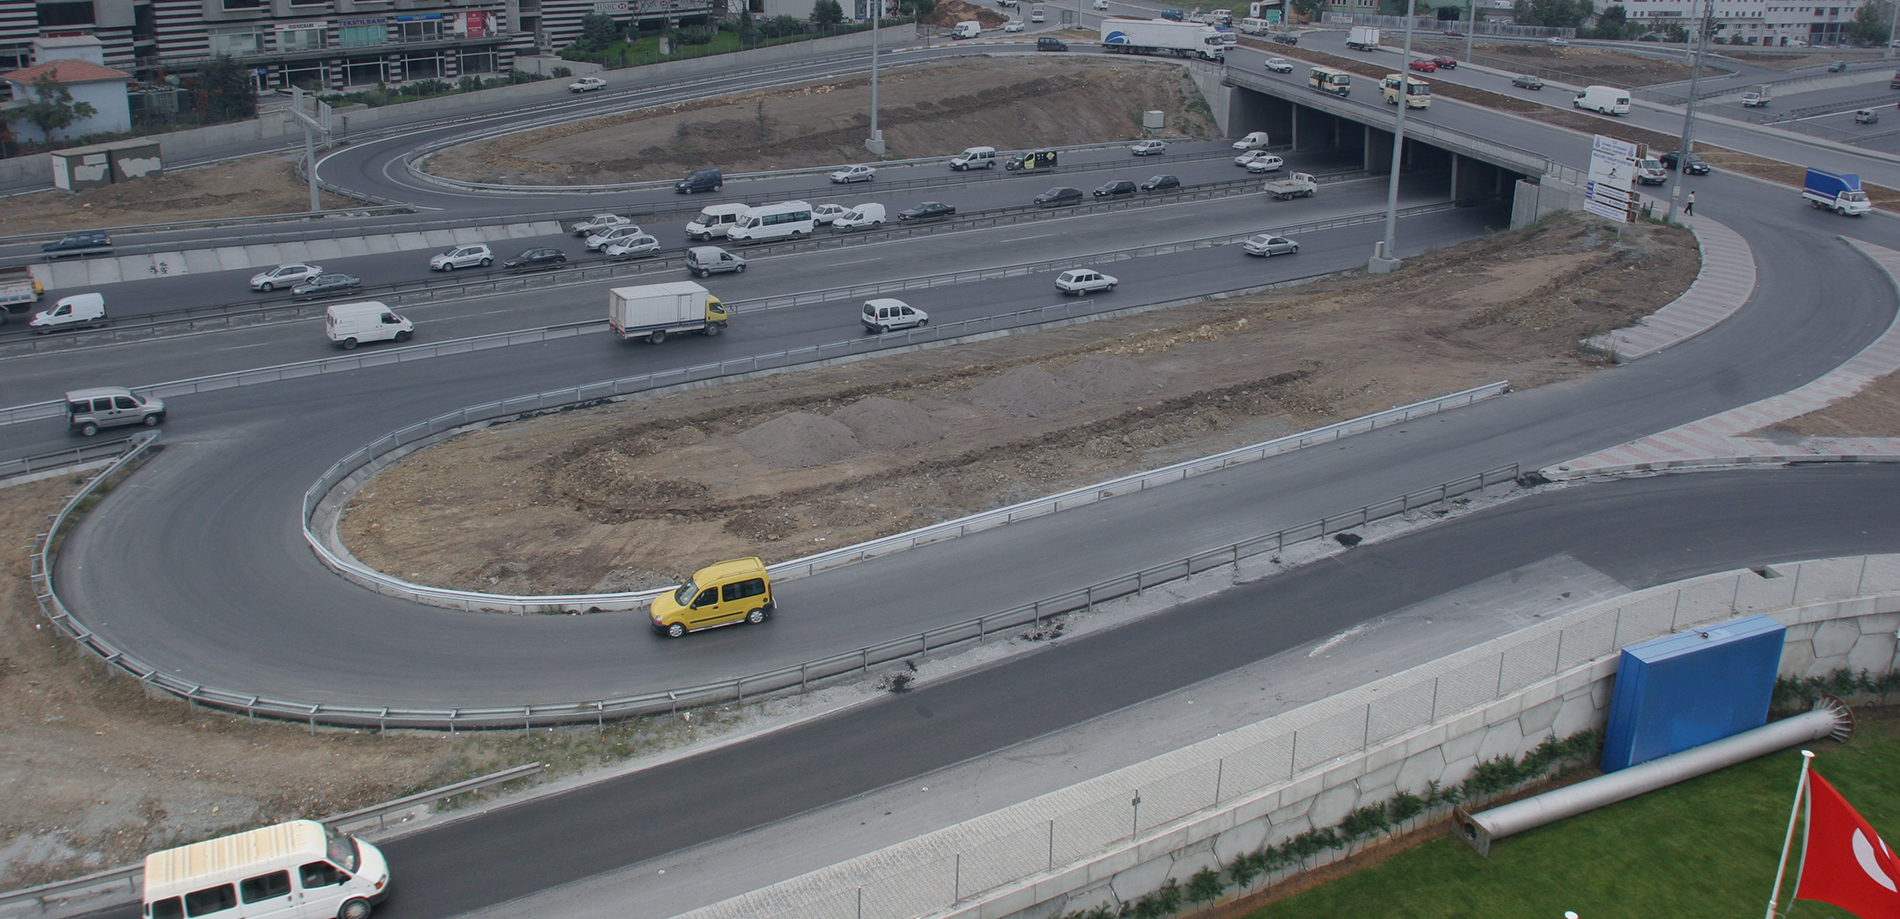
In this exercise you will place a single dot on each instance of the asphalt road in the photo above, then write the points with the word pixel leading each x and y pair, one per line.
pixel 196 561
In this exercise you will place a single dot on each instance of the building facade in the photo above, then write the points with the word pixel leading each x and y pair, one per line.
pixel 1773 23
pixel 318 44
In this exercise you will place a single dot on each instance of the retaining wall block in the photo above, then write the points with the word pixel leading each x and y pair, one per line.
pixel 1797 659
pixel 1283 830
pixel 1707 601
pixel 1390 754
pixel 1828 579
pixel 1872 619
pixel 1245 837
pixel 1164 845
pixel 1578 715
pixel 1538 718
pixel 1883 569
pixel 1460 728
pixel 1382 777
pixel 1344 774
pixel 1574 680
pixel 1506 739
pixel 1759 593
pixel 1465 744
pixel 1420 768
pixel 1333 804
pixel 1020 903
pixel 1503 710
pixel 1299 794
pixel 1456 770
pixel 1601 689
pixel 1187 863
pixel 1131 883
pixel 1543 691
pixel 1429 739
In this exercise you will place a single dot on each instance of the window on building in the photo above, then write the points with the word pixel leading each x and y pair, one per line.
pixel 421 30
pixel 243 4
pixel 304 39
pixel 236 44
pixel 478 62
pixel 309 2
pixel 362 73
pixel 66 14
pixel 362 36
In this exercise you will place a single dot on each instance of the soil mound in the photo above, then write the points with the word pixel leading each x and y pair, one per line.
pixel 1027 392
pixel 948 13
pixel 799 440
pixel 888 424
pixel 1106 376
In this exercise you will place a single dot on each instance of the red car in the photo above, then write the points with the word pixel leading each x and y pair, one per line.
pixel 1445 63
pixel 1423 65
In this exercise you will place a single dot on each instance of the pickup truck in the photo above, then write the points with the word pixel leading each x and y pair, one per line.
pixel 1756 98
pixel 1296 185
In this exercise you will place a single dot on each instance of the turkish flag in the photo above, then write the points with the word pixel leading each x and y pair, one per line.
pixel 1844 862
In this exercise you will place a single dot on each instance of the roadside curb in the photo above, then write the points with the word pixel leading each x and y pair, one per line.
pixel 1724 284
pixel 1722 439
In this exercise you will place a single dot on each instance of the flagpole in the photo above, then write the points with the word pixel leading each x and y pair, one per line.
pixel 1800 792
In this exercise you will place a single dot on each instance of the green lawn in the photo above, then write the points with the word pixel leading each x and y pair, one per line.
pixel 1702 848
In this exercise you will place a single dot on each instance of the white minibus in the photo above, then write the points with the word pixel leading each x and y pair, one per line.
pixel 786 219
pixel 295 870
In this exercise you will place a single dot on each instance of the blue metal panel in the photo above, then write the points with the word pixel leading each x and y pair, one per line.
pixel 1688 689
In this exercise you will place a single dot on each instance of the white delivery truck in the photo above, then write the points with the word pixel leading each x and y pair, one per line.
pixel 1363 38
pixel 1297 185
pixel 18 291
pixel 291 869
pixel 656 310
pixel 967 29
pixel 72 312
pixel 1162 36
pixel 351 324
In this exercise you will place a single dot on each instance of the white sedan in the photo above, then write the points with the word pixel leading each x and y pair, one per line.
pixel 630 246
pixel 1267 163
pixel 1279 65
pixel 850 174
pixel 586 84
pixel 1081 281
pixel 599 222
pixel 1014 25
pixel 1247 159
pixel 1148 148
pixel 824 214
pixel 608 237
pixel 284 276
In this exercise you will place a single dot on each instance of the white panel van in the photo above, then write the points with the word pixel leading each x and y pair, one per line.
pixel 295 870
pixel 351 324
pixel 784 220
pixel 859 217
pixel 714 220
pixel 967 29
pixel 974 158
pixel 1607 100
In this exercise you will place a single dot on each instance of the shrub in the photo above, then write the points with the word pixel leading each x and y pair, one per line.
pixel 1204 887
pixel 695 35
pixel 560 73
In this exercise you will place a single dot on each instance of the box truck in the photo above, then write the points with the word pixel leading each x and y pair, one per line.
pixel 1363 38
pixel 1838 192
pixel 1162 36
pixel 18 291
pixel 656 310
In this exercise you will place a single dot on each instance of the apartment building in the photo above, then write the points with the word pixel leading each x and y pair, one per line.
pixel 328 44
pixel 1775 23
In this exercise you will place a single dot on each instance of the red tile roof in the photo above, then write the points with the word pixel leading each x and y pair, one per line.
pixel 66 71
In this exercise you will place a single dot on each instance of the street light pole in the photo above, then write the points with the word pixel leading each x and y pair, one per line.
pixel 875 143
pixel 1383 261
pixel 1688 113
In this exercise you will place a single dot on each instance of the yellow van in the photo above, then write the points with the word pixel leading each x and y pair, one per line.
pixel 722 594
pixel 295 870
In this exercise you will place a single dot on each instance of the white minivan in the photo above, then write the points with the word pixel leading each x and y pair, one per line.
pixel 76 311
pixel 784 220
pixel 715 220
pixel 860 217
pixel 295 870
pixel 351 324
pixel 974 158
pixel 1607 100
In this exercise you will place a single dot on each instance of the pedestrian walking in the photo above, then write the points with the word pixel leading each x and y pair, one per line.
pixel 1689 210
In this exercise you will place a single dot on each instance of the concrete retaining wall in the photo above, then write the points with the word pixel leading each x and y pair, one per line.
pixel 1310 767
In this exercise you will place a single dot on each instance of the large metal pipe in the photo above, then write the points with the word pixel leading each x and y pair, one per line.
pixel 1830 718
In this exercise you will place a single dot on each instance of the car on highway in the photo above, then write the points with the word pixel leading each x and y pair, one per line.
pixel 88 410
pixel 1837 67
pixel 1422 65
pixel 1265 164
pixel 1051 43
pixel 1161 183
pixel 1453 33
pixel 1279 65
pixel 1081 281
pixel 860 216
pixel 725 593
pixel 586 84
pixel 1099 4
pixel 608 237
pixel 1114 189
pixel 77 244
pixel 887 315
pixel 539 259
pixel 929 210
pixel 1269 244
pixel 824 214
pixel 1691 165
pixel 1445 63
pixel 707 260
pixel 1527 81
pixel 1149 148
pixel 632 246
pixel 1036 15
pixel 849 174
pixel 1866 116
pixel 1251 155
pixel 284 276
pixel 1014 25
pixel 1556 42
pixel 1059 196
pixel 325 285
pixel 1257 140
pixel 599 222
pixel 462 257
pixel 1286 38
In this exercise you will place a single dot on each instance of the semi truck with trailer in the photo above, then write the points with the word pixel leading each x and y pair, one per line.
pixel 1162 36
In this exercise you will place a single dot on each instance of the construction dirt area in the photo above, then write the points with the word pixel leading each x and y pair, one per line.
pixel 93 774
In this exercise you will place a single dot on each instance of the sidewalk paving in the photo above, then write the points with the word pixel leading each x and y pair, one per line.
pixel 1722 439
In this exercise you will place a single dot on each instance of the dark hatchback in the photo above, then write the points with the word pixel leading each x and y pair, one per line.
pixel 1691 165
pixel 78 243
pixel 1161 183
pixel 1115 189
pixel 535 260
pixel 1057 197
pixel 929 210
pixel 325 285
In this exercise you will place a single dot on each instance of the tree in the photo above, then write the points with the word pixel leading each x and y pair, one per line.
pixel 597 31
pixel 223 90
pixel 52 108
pixel 827 12
pixel 1309 9
pixel 1612 23
pixel 1870 23
pixel 1556 14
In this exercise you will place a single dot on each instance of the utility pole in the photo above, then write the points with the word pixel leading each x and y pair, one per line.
pixel 1383 261
pixel 1688 114
pixel 311 127
pixel 875 143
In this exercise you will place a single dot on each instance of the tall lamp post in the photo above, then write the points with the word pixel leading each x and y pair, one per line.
pixel 1383 261
pixel 1688 113
pixel 875 143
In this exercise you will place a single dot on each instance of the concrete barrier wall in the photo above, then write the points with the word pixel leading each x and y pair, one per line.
pixel 1310 767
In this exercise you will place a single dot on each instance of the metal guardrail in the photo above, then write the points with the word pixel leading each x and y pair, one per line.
pixel 226 222
pixel 84 453
pixel 98 883
pixel 1866 102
